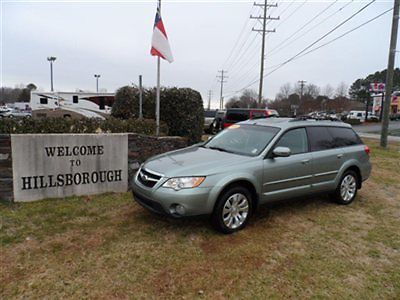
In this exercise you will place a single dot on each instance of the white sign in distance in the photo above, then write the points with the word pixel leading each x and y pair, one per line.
pixel 61 165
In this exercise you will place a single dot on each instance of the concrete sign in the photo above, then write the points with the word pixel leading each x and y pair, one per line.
pixel 60 165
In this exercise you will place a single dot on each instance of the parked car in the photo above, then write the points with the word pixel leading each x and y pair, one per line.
pixel 234 115
pixel 213 120
pixel 209 118
pixel 15 113
pixel 5 111
pixel 252 163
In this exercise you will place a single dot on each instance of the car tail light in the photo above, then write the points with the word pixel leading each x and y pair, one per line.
pixel 367 150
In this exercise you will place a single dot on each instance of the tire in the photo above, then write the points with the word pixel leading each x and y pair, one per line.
pixel 237 200
pixel 349 183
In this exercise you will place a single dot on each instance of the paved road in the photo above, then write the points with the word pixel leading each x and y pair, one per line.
pixel 376 128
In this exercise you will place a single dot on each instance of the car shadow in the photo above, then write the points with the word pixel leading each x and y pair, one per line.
pixel 197 224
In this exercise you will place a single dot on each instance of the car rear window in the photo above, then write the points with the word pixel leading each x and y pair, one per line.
pixel 209 113
pixel 320 138
pixel 258 114
pixel 343 137
pixel 323 138
pixel 237 116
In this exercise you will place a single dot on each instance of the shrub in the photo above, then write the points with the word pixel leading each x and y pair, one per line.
pixel 180 108
pixel 86 125
pixel 126 103
pixel 353 121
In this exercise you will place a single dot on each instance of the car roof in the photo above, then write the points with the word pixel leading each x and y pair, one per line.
pixel 285 123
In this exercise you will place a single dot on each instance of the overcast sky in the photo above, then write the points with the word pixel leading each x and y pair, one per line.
pixel 112 38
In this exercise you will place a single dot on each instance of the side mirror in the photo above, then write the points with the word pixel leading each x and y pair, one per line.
pixel 282 152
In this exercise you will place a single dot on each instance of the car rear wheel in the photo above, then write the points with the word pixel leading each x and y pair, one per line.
pixel 347 189
pixel 233 210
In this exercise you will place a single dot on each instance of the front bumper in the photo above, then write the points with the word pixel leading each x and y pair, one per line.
pixel 196 201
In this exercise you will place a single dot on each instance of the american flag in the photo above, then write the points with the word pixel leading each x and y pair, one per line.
pixel 159 43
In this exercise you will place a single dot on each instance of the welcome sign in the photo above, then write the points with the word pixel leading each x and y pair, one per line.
pixel 61 165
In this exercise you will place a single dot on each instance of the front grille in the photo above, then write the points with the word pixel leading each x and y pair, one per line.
pixel 147 178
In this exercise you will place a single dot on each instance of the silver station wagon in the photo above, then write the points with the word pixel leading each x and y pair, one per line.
pixel 252 163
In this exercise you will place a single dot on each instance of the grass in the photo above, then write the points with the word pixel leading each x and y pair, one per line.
pixel 109 247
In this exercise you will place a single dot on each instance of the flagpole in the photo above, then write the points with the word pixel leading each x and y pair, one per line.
pixel 158 97
pixel 158 86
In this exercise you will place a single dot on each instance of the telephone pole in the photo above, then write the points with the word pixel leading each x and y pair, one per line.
pixel 389 74
pixel 209 99
pixel 263 32
pixel 222 80
pixel 302 83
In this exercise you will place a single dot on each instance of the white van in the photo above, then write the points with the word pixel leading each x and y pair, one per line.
pixel 360 115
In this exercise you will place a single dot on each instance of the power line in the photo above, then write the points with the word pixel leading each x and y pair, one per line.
pixel 279 46
pixel 312 44
pixel 346 33
pixel 239 37
pixel 273 51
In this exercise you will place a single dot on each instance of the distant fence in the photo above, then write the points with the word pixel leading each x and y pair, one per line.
pixel 39 166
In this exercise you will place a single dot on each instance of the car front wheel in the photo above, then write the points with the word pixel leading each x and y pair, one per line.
pixel 347 189
pixel 233 210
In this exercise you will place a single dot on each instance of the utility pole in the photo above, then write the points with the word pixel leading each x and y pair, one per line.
pixel 140 98
pixel 389 74
pixel 222 80
pixel 263 32
pixel 209 99
pixel 302 83
pixel 97 76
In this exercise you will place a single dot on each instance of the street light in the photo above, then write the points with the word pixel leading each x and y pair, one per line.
pixel 51 59
pixel 97 76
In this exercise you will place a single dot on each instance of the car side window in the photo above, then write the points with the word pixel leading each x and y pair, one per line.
pixel 320 138
pixel 343 137
pixel 295 140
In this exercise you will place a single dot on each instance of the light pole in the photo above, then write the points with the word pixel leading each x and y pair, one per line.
pixel 51 59
pixel 97 76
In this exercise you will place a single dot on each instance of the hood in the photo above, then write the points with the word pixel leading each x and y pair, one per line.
pixel 193 161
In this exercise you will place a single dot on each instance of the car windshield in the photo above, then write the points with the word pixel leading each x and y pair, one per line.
pixel 248 140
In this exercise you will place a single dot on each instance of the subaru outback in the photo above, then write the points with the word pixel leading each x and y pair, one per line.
pixel 252 163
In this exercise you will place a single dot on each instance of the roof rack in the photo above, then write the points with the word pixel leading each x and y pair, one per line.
pixel 309 118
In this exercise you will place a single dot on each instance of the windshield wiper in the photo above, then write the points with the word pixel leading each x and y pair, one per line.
pixel 219 149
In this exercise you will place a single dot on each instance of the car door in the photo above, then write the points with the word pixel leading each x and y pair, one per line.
pixel 327 159
pixel 286 177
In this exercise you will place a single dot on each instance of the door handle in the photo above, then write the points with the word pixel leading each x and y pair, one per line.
pixel 305 161
pixel 339 156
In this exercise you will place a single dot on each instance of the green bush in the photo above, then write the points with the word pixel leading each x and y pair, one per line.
pixel 86 125
pixel 180 108
pixel 353 121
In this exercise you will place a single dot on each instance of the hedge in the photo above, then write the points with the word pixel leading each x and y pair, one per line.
pixel 86 125
pixel 180 108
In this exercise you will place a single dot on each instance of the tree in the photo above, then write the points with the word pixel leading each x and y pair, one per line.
pixel 311 91
pixel 284 91
pixel 248 99
pixel 328 91
pixel 357 89
pixel 342 90
pixel 31 87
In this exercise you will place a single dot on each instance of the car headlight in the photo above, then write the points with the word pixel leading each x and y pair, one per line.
pixel 179 183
